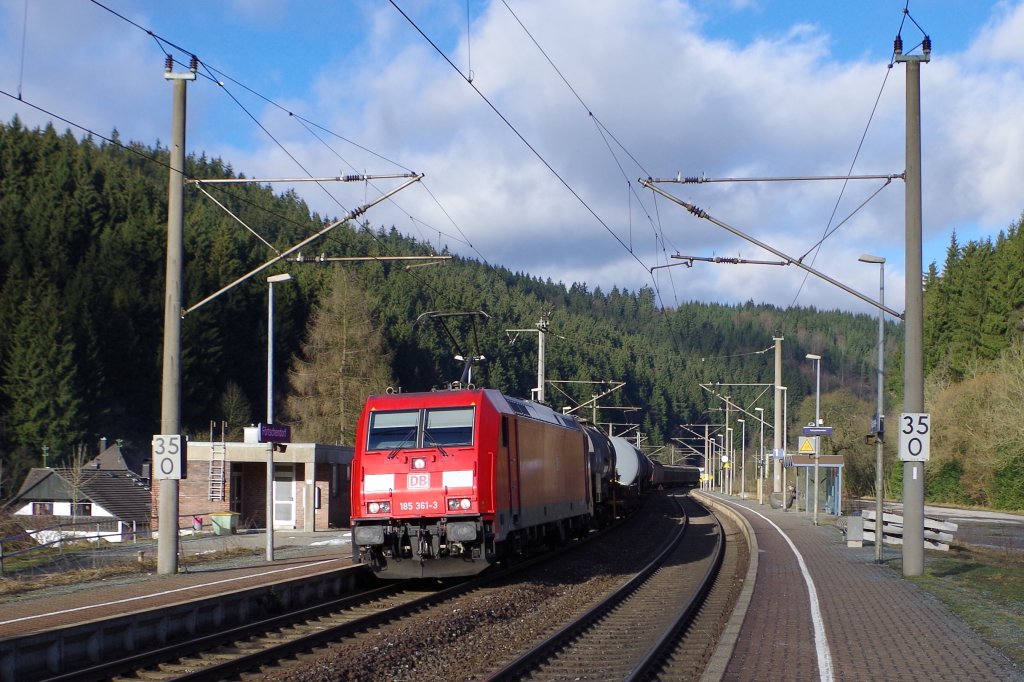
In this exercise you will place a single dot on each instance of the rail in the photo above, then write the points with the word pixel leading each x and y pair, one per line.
pixel 635 613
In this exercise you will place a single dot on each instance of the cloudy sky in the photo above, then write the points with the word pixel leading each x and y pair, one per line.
pixel 533 120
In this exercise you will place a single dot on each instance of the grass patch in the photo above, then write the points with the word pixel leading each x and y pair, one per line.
pixel 25 582
pixel 985 588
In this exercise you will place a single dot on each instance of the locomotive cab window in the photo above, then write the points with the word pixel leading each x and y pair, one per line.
pixel 391 430
pixel 447 427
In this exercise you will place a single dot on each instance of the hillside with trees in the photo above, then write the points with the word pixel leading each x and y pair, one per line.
pixel 974 363
pixel 82 234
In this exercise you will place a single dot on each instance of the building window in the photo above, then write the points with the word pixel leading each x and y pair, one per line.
pixel 81 509
pixel 42 508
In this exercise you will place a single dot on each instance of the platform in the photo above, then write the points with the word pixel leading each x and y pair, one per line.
pixel 819 610
pixel 297 554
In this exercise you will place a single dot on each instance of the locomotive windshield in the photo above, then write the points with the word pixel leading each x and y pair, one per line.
pixel 449 427
pixel 437 427
pixel 392 430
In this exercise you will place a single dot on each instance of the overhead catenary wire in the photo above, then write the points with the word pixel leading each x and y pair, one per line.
pixel 789 259
pixel 605 134
pixel 518 134
pixel 155 160
pixel 860 145
pixel 220 78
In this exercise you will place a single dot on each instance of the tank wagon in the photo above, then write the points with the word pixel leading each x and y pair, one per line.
pixel 680 476
pixel 602 474
pixel 635 472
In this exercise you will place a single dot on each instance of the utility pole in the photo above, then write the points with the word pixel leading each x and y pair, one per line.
pixel 708 464
pixel 727 460
pixel 778 443
pixel 170 401
pixel 541 329
pixel 913 373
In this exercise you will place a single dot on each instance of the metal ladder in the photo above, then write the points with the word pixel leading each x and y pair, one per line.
pixel 218 454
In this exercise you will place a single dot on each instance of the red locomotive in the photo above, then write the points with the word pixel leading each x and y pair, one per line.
pixel 445 483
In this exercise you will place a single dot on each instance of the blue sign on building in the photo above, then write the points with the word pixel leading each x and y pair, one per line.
pixel 274 433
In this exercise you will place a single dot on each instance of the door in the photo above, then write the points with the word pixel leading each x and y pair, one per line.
pixel 284 496
pixel 236 493
pixel 511 428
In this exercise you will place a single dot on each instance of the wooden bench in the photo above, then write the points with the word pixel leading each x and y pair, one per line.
pixel 937 534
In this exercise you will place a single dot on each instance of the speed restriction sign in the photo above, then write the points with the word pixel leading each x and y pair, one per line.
pixel 168 460
pixel 915 436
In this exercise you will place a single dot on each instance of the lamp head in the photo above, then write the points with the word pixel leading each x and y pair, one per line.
pixel 283 277
pixel 813 356
pixel 868 258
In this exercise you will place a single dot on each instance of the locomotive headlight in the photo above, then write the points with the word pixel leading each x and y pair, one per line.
pixel 464 503
pixel 419 463
pixel 374 507
pixel 378 507
pixel 457 503
pixel 453 504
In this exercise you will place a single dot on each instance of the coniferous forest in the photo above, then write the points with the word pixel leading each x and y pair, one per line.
pixel 82 241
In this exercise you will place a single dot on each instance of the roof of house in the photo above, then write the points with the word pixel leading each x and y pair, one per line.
pixel 118 458
pixel 120 492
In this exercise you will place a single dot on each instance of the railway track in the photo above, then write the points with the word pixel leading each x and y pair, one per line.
pixel 426 631
pixel 270 643
pixel 225 654
pixel 633 632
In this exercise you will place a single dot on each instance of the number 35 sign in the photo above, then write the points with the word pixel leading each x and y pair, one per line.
pixel 168 462
pixel 915 436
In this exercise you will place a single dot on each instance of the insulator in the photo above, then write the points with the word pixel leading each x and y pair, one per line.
pixel 693 178
pixel 193 64
pixel 926 45
pixel 169 64
pixel 897 45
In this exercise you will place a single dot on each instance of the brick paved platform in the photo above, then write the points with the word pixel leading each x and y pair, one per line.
pixel 874 624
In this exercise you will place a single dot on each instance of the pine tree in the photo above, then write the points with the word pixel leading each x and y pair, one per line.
pixel 40 375
pixel 343 361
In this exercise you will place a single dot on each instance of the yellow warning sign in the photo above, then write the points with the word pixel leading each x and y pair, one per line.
pixel 808 445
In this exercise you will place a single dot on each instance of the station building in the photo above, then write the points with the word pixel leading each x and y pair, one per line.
pixel 226 482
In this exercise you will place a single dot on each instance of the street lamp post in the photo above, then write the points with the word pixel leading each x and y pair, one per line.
pixel 271 281
pixel 817 422
pixel 761 458
pixel 879 429
pixel 743 458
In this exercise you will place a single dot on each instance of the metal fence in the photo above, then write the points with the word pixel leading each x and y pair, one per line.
pixel 96 539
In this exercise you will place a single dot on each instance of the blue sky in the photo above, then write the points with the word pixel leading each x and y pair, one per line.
pixel 720 88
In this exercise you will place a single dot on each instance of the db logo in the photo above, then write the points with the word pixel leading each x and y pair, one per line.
pixel 418 481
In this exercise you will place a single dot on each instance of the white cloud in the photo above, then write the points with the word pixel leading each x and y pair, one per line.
pixel 671 95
